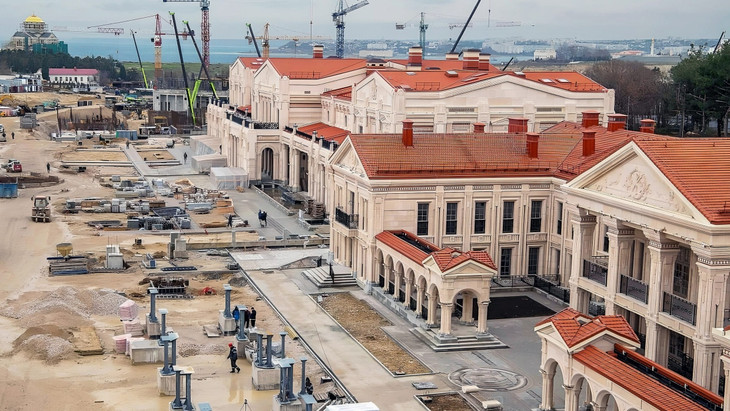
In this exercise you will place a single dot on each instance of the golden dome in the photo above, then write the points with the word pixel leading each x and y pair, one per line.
pixel 34 19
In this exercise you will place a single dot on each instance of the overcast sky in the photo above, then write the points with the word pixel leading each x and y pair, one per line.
pixel 538 19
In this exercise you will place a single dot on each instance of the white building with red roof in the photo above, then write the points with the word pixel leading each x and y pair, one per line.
pixel 73 76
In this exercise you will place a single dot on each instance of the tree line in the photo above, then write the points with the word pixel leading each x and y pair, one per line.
pixel 693 98
pixel 21 61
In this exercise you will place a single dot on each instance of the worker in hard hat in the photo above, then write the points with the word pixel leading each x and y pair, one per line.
pixel 233 356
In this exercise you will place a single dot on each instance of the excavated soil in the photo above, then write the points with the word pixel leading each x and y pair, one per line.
pixel 448 403
pixel 363 323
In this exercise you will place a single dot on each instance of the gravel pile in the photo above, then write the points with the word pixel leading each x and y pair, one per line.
pixel 83 303
pixel 46 347
pixel 189 350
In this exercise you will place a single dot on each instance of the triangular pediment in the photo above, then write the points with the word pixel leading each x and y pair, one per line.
pixel 346 158
pixel 468 267
pixel 630 176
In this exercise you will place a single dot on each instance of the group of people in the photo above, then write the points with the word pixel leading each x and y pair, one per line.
pixel 248 321
pixel 262 218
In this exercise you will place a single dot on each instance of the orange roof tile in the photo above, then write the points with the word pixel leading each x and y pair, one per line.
pixel 310 68
pixel 699 168
pixel 435 80
pixel 403 247
pixel 428 64
pixel 641 385
pixel 567 80
pixel 344 93
pixel 449 258
pixel 325 131
pixel 251 62
pixel 575 327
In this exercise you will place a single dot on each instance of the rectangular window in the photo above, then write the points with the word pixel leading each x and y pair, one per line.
pixel 451 218
pixel 480 217
pixel 681 273
pixel 508 217
pixel 536 216
pixel 505 262
pixel 606 242
pixel 557 262
pixel 559 226
pixel 533 258
pixel 422 219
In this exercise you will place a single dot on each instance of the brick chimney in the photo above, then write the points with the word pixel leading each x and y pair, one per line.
pixel 415 57
pixel 471 59
pixel 517 125
pixel 591 118
pixel 616 122
pixel 647 125
pixel 484 61
pixel 479 128
pixel 318 51
pixel 408 133
pixel 452 56
pixel 589 143
pixel 532 139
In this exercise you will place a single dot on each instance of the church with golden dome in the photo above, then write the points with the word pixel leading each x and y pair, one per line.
pixel 34 35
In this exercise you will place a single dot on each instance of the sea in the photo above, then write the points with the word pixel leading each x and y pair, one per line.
pixel 122 48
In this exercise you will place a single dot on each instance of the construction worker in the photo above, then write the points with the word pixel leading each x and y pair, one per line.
pixel 13 135
pixel 233 356
pixel 185 158
pixel 48 168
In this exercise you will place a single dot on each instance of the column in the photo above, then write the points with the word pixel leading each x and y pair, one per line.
pixel 396 292
pixel 585 225
pixel 466 312
pixel 482 320
pixel 547 390
pixel 409 291
pixel 662 254
pixel 432 307
pixel 446 310
pixel 572 394
pixel 619 256
pixel 419 301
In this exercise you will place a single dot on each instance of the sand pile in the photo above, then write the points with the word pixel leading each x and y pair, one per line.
pixel 189 350
pixel 47 343
pixel 82 303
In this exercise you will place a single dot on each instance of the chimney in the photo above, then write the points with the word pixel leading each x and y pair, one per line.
pixel 408 133
pixel 590 118
pixel 318 51
pixel 616 122
pixel 647 126
pixel 415 57
pixel 517 125
pixel 532 139
pixel 452 56
pixel 484 61
pixel 589 143
pixel 479 128
pixel 471 59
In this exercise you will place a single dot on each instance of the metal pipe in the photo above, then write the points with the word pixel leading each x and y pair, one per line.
pixel 165 360
pixel 188 390
pixel 304 376
pixel 259 350
pixel 269 337
pixel 153 293
pixel 227 309
pixel 173 360
pixel 283 343
pixel 176 403
pixel 163 328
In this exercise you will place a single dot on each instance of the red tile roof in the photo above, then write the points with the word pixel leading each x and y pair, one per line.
pixel 252 62
pixel 435 80
pixel 575 327
pixel 403 247
pixel 72 72
pixel 699 168
pixel 325 131
pixel 444 65
pixel 344 93
pixel 566 80
pixel 449 258
pixel 310 68
pixel 634 381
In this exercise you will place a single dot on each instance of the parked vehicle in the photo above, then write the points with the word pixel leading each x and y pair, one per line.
pixel 41 212
pixel 13 166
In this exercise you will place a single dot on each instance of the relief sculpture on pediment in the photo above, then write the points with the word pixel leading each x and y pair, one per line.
pixel 637 185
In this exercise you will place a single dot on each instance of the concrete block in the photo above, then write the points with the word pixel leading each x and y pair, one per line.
pixel 294 405
pixel 227 325
pixel 146 352
pixel 265 378
pixel 166 383
pixel 152 329
pixel 493 405
pixel 466 389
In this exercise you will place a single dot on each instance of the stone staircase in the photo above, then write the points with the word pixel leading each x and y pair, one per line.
pixel 320 276
pixel 456 342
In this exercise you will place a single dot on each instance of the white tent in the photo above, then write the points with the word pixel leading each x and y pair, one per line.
pixel 228 178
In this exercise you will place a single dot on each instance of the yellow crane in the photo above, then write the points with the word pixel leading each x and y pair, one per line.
pixel 266 37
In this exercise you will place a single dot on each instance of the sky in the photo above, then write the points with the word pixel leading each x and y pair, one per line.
pixel 537 19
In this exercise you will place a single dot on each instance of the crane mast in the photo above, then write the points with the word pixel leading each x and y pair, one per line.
pixel 339 18
pixel 204 26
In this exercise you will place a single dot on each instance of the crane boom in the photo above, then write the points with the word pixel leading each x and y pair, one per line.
pixel 253 38
pixel 465 26
pixel 200 56
pixel 144 76
pixel 204 25
pixel 184 73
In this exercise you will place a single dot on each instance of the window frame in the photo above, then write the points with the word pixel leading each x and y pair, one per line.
pixel 508 222
pixel 480 224
pixel 505 261
pixel 422 209
pixel 559 222
pixel 533 260
pixel 536 216
pixel 451 218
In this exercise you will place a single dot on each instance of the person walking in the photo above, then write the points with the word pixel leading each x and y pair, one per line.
pixel 252 317
pixel 236 316
pixel 246 318
pixel 263 217
pixel 230 220
pixel 233 356
pixel 13 135
pixel 185 158
pixel 48 168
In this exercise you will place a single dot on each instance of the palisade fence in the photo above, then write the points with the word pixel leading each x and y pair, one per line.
pixel 547 283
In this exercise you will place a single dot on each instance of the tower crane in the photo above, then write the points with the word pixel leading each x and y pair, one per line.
pixel 422 27
pixel 266 37
pixel 204 26
pixel 463 29
pixel 339 18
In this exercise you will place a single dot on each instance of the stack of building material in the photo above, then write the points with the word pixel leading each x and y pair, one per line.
pixel 128 310
pixel 120 343
pixel 130 340
pixel 68 265
pixel 133 327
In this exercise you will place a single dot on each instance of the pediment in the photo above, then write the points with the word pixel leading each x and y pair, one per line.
pixel 346 158
pixel 267 75
pixel 468 267
pixel 631 176
pixel 373 87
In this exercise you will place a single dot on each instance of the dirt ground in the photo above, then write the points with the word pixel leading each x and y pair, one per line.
pixel 448 403
pixel 38 313
pixel 110 154
pixel 364 324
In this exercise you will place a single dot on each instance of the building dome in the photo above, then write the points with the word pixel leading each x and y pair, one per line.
pixel 34 19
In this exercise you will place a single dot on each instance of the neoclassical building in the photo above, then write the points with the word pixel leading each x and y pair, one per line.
pixel 33 31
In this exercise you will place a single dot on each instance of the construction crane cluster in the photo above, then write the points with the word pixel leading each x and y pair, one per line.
pixel 422 27
pixel 204 26
pixel 339 18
